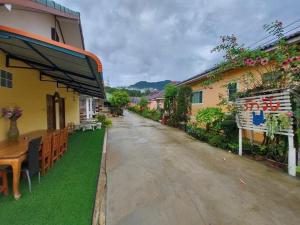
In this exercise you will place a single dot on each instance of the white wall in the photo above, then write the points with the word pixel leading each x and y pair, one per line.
pixel 41 23
pixel 33 22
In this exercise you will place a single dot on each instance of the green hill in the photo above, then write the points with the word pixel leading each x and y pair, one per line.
pixel 148 85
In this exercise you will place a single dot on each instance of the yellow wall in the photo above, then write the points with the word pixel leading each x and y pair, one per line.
pixel 211 93
pixel 29 93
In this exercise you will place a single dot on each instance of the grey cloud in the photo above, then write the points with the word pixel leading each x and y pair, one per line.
pixel 170 39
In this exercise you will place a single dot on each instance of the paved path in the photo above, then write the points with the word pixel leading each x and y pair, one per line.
pixel 160 176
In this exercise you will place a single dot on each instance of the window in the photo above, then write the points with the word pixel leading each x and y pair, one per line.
pixel 197 97
pixel 54 34
pixel 232 90
pixel 5 79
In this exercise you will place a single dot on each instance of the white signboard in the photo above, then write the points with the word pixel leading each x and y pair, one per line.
pixel 252 114
pixel 252 111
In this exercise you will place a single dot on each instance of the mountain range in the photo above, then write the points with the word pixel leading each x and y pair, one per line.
pixel 159 85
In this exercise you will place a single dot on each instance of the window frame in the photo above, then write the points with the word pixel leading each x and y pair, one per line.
pixel 7 77
pixel 197 103
pixel 228 93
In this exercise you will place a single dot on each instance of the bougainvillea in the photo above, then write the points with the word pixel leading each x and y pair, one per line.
pixel 282 61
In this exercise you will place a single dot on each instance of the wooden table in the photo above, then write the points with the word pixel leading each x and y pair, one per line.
pixel 13 153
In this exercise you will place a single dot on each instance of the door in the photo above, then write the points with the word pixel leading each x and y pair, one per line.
pixel 62 122
pixel 51 120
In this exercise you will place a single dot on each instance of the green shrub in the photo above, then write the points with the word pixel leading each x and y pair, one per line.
pixel 229 127
pixel 202 135
pixel 211 118
pixel 249 148
pixel 104 120
pixel 107 123
pixel 233 147
pixel 218 141
pixel 101 118
pixel 197 132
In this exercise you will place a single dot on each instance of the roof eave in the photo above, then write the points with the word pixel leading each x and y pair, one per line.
pixel 39 7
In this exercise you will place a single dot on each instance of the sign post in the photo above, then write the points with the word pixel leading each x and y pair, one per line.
pixel 252 113
pixel 240 141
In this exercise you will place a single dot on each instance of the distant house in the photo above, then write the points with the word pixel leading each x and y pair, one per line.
pixel 134 101
pixel 156 100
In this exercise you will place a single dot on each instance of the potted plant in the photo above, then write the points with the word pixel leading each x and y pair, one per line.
pixel 13 114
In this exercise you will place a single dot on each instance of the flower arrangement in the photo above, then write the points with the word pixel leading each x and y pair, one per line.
pixel 12 113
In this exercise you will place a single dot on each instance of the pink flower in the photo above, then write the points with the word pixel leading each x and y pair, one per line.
pixel 249 62
pixel 294 59
pixel 264 61
pixel 289 114
pixel 285 63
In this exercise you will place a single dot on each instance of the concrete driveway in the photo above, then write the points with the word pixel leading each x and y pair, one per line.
pixel 158 175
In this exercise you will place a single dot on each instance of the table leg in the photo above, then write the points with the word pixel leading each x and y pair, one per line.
pixel 16 166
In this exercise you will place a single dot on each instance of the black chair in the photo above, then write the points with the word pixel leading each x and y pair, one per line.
pixel 32 166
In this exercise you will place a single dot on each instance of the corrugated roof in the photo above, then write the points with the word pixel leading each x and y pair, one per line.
pixel 155 95
pixel 265 48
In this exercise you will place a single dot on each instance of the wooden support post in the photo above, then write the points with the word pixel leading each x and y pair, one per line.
pixel 251 137
pixel 240 141
pixel 292 157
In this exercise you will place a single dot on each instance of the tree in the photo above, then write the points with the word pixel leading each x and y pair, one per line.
pixel 183 110
pixel 177 104
pixel 170 98
pixel 119 100
pixel 143 103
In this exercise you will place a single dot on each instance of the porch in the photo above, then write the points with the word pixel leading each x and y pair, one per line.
pixel 66 194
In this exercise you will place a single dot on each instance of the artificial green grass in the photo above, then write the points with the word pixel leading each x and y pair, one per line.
pixel 66 193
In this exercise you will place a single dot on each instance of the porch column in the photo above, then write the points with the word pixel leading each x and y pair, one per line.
pixel 87 111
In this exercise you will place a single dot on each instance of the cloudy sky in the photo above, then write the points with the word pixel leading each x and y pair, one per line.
pixel 155 40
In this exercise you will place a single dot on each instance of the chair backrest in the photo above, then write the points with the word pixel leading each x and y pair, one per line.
pixel 66 134
pixel 56 140
pixel 61 136
pixel 33 155
pixel 47 145
pixel 1 177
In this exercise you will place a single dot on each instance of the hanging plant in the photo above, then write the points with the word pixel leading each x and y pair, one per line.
pixel 277 122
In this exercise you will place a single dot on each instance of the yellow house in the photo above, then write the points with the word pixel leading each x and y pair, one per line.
pixel 43 65
pixel 209 96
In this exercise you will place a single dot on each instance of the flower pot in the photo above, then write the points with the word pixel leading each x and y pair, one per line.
pixel 13 132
